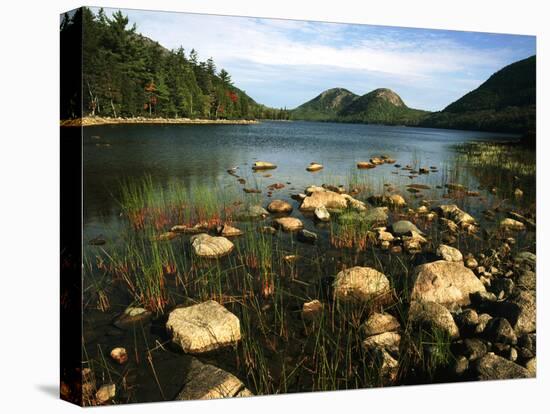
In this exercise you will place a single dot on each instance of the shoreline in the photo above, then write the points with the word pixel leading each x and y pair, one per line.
pixel 94 121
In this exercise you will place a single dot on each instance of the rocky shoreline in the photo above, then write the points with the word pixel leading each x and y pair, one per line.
pixel 96 120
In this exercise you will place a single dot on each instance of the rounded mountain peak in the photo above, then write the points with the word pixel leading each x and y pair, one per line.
pixel 387 95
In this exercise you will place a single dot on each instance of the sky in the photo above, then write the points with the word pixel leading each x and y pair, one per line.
pixel 284 63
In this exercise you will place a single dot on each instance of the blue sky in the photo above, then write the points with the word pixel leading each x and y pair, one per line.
pixel 283 63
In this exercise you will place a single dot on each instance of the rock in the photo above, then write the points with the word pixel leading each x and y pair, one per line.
pixel 312 167
pixel 206 382
pixel 500 330
pixel 97 241
pixel 307 236
pixel 376 160
pixel 324 198
pixel 445 283
pixel 105 393
pixel 131 316
pixel 473 348
pixel 493 367
pixel 355 204
pixel 467 320
pixel 312 310
pixel 448 225
pixel 395 200
pixel 119 355
pixel 483 320
pixel 279 206
pixel 511 224
pixel 322 214
pixel 376 216
pixel 211 247
pixel 448 253
pixel 203 327
pixel 460 366
pixel 169 235
pixel 229 231
pixel 453 213
pixel 252 190
pixel 362 165
pixel 298 197
pixel 253 212
pixel 388 367
pixel 195 229
pixel 527 258
pixel 291 258
pixel 379 323
pixel 288 224
pixel 520 310
pixel 263 165
pixel 267 230
pixel 527 280
pixel 518 193
pixel 471 263
pixel 498 285
pixel 455 187
pixel 275 186
pixel 531 367
pixel 385 236
pixel 314 188
pixel 388 341
pixel 432 316
pixel 513 356
pixel 402 227
pixel 360 284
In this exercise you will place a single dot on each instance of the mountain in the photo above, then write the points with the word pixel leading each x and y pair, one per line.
pixel 505 102
pixel 381 106
pixel 324 107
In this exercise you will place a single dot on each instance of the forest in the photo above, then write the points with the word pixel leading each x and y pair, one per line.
pixel 125 74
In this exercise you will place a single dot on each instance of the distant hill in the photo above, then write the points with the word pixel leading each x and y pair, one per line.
pixel 324 107
pixel 381 106
pixel 505 102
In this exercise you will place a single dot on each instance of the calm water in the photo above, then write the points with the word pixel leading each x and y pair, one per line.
pixel 202 154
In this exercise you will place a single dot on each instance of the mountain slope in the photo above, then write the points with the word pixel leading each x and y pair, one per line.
pixel 505 102
pixel 381 106
pixel 324 107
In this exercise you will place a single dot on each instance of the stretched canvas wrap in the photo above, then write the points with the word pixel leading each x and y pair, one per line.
pixel 258 206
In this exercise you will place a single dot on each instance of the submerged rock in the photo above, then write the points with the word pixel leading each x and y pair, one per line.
pixel 131 316
pixel 279 206
pixel 494 367
pixel 445 283
pixel 288 224
pixel 254 212
pixel 211 247
pixel 432 316
pixel 206 382
pixel 360 284
pixel 307 236
pixel 203 327
pixel 362 165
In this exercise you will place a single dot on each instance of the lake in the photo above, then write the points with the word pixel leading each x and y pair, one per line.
pixel 267 278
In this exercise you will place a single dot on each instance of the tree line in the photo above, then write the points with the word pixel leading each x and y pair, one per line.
pixel 125 74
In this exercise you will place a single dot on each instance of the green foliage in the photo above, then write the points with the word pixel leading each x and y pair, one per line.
pixel 505 102
pixel 381 106
pixel 126 74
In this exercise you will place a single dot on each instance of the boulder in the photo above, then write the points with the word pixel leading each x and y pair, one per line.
pixel 379 323
pixel 494 367
pixel 263 165
pixel 279 206
pixel 323 198
pixel 511 224
pixel 432 316
pixel 360 284
pixel 388 341
pixel 229 231
pixel 452 212
pixel 520 310
pixel 211 247
pixel 402 227
pixel 206 382
pixel 448 253
pixel 322 214
pixel 288 224
pixel 307 236
pixel 446 283
pixel 253 212
pixel 203 327
pixel 499 330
